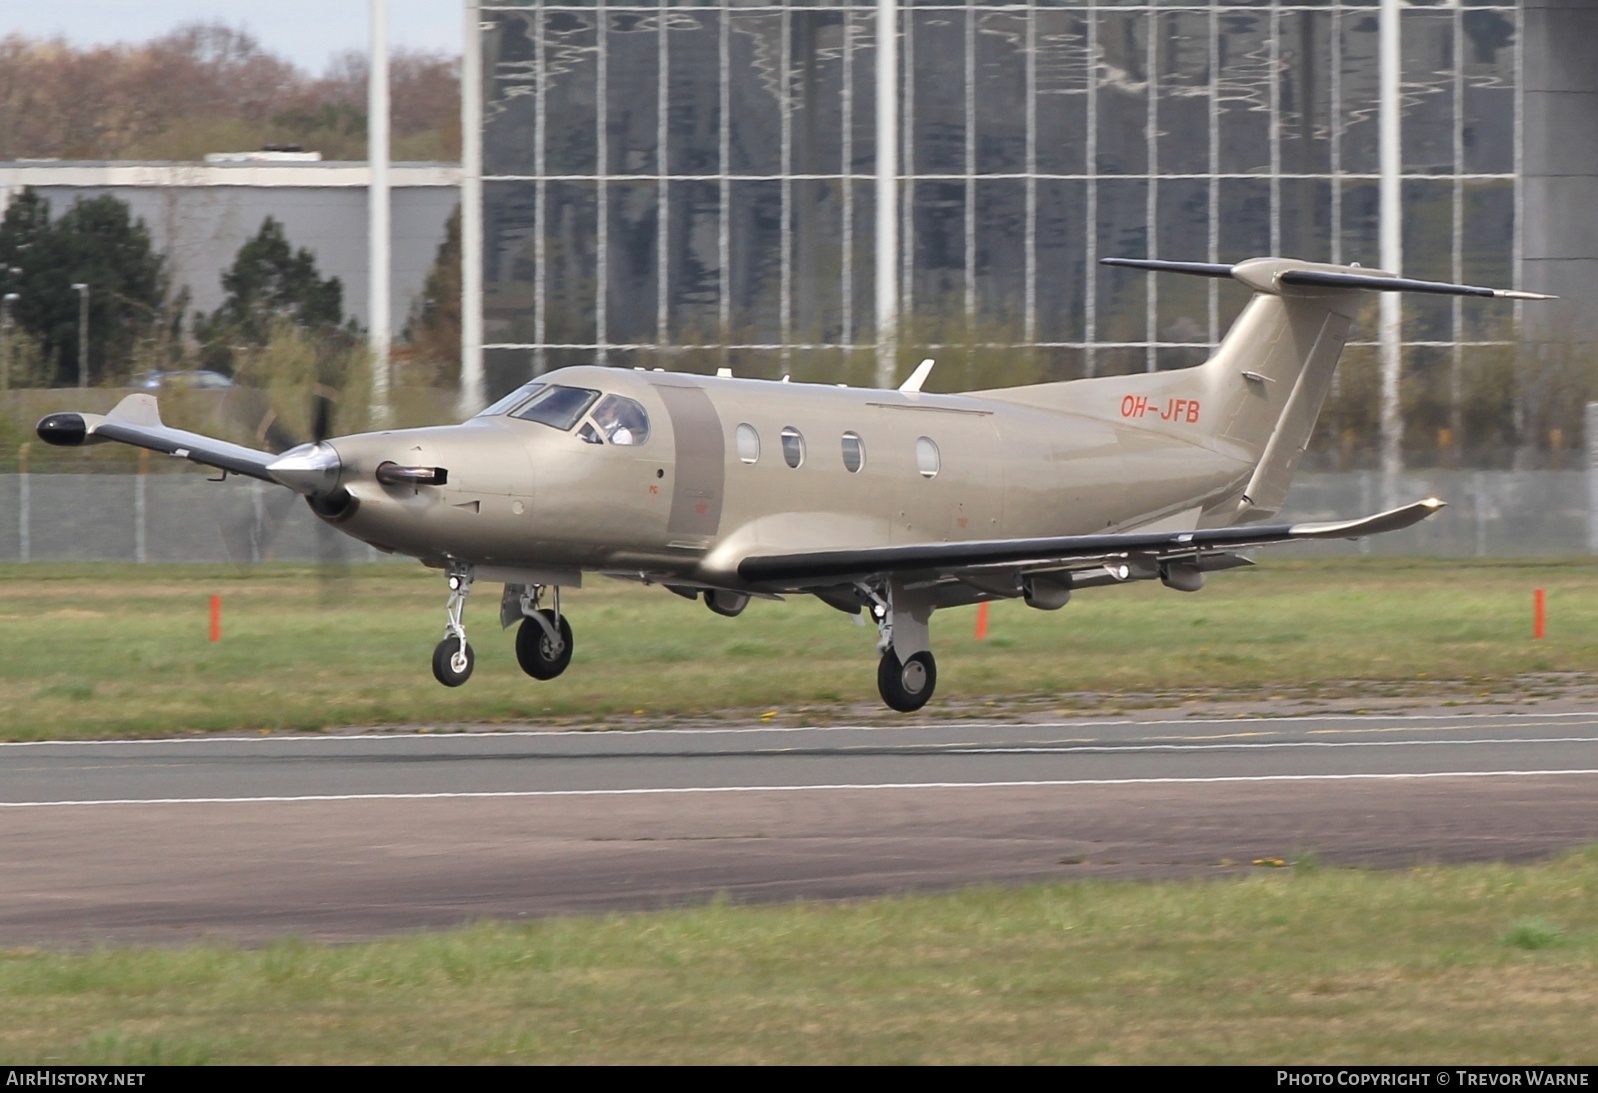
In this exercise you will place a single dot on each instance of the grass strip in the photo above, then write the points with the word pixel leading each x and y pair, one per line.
pixel 1464 964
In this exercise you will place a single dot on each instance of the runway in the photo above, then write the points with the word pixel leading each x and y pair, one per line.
pixel 350 836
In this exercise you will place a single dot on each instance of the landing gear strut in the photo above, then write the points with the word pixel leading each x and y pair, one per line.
pixel 452 657
pixel 544 639
pixel 907 674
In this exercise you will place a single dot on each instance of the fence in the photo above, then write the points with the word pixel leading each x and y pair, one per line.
pixel 185 518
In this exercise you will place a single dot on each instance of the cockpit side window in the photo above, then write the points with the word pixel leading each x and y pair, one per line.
pixel 622 420
pixel 511 401
pixel 556 406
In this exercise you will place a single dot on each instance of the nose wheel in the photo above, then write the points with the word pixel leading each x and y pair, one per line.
pixel 453 658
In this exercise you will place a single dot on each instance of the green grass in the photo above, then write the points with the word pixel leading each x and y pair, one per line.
pixel 1286 965
pixel 105 650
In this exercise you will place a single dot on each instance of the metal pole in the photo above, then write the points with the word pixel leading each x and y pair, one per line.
pixel 472 394
pixel 887 190
pixel 1392 247
pixel 378 228
pixel 83 334
pixel 5 331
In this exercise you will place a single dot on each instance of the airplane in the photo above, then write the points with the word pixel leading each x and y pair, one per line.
pixel 891 503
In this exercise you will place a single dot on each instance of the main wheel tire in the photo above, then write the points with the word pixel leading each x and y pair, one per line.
pixel 907 685
pixel 539 656
pixel 726 604
pixel 453 661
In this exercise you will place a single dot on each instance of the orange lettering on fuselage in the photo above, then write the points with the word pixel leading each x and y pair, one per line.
pixel 1175 409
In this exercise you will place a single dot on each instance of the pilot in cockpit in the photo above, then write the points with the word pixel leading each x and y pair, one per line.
pixel 620 419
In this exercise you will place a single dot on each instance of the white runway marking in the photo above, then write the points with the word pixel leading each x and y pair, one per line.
pixel 412 735
pixel 656 791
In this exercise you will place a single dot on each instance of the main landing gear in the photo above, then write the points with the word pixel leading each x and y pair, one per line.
pixel 543 641
pixel 907 674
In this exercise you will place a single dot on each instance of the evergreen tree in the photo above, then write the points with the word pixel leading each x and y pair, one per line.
pixel 270 283
pixel 95 242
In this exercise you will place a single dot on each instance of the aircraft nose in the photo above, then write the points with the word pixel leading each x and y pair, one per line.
pixel 310 469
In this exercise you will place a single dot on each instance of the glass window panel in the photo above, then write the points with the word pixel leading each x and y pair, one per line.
pixel 1306 218
pixel 693 90
pixel 756 253
pixel 1488 56
pixel 793 446
pixel 1426 396
pixel 935 45
pixel 1359 93
pixel 633 267
pixel 1119 361
pixel 1001 257
pixel 505 369
pixel 748 443
pixel 854 452
pixel 1489 393
pixel 509 402
pixel 1243 92
pixel 622 420
pixel 632 110
pixel 1183 303
pixel 815 83
pixel 556 406
pixel 939 273
pixel 756 72
pixel 571 73
pixel 1488 257
pixel 1122 233
pixel 509 257
pixel 1001 92
pixel 862 283
pixel 1060 284
pixel 1428 255
pixel 1167 359
pixel 928 461
pixel 1362 223
pixel 1061 66
pixel 1428 113
pixel 863 72
pixel 816 206
pixel 1123 92
pixel 571 233
pixel 1184 106
pixel 510 104
pixel 1305 104
pixel 693 262
pixel 1244 231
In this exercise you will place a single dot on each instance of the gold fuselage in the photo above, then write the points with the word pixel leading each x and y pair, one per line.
pixel 685 505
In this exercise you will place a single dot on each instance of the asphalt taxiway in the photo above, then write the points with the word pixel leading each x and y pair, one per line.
pixel 350 836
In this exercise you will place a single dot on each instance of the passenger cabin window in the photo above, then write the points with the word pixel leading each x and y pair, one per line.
pixel 854 452
pixel 511 401
pixel 622 420
pixel 748 443
pixel 793 446
pixel 558 407
pixel 927 461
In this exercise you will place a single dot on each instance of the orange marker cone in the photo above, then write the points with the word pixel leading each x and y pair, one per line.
pixel 982 621
pixel 1539 614
pixel 216 618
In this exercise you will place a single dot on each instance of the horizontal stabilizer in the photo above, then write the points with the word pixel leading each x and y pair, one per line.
pixel 136 420
pixel 1269 274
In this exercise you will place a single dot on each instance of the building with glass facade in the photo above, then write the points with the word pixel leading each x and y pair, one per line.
pixel 665 179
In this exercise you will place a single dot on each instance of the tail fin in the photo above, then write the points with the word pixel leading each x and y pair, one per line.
pixel 1259 394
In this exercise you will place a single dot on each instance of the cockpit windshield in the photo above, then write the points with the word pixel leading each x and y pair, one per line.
pixel 556 406
pixel 510 401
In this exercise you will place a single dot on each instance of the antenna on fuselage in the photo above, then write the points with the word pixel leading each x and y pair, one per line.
pixel 912 385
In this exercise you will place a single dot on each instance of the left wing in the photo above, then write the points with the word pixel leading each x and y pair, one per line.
pixel 136 420
pixel 1139 549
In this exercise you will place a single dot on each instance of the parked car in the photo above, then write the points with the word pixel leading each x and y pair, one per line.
pixel 197 378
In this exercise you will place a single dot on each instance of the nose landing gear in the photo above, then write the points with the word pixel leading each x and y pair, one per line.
pixel 453 658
